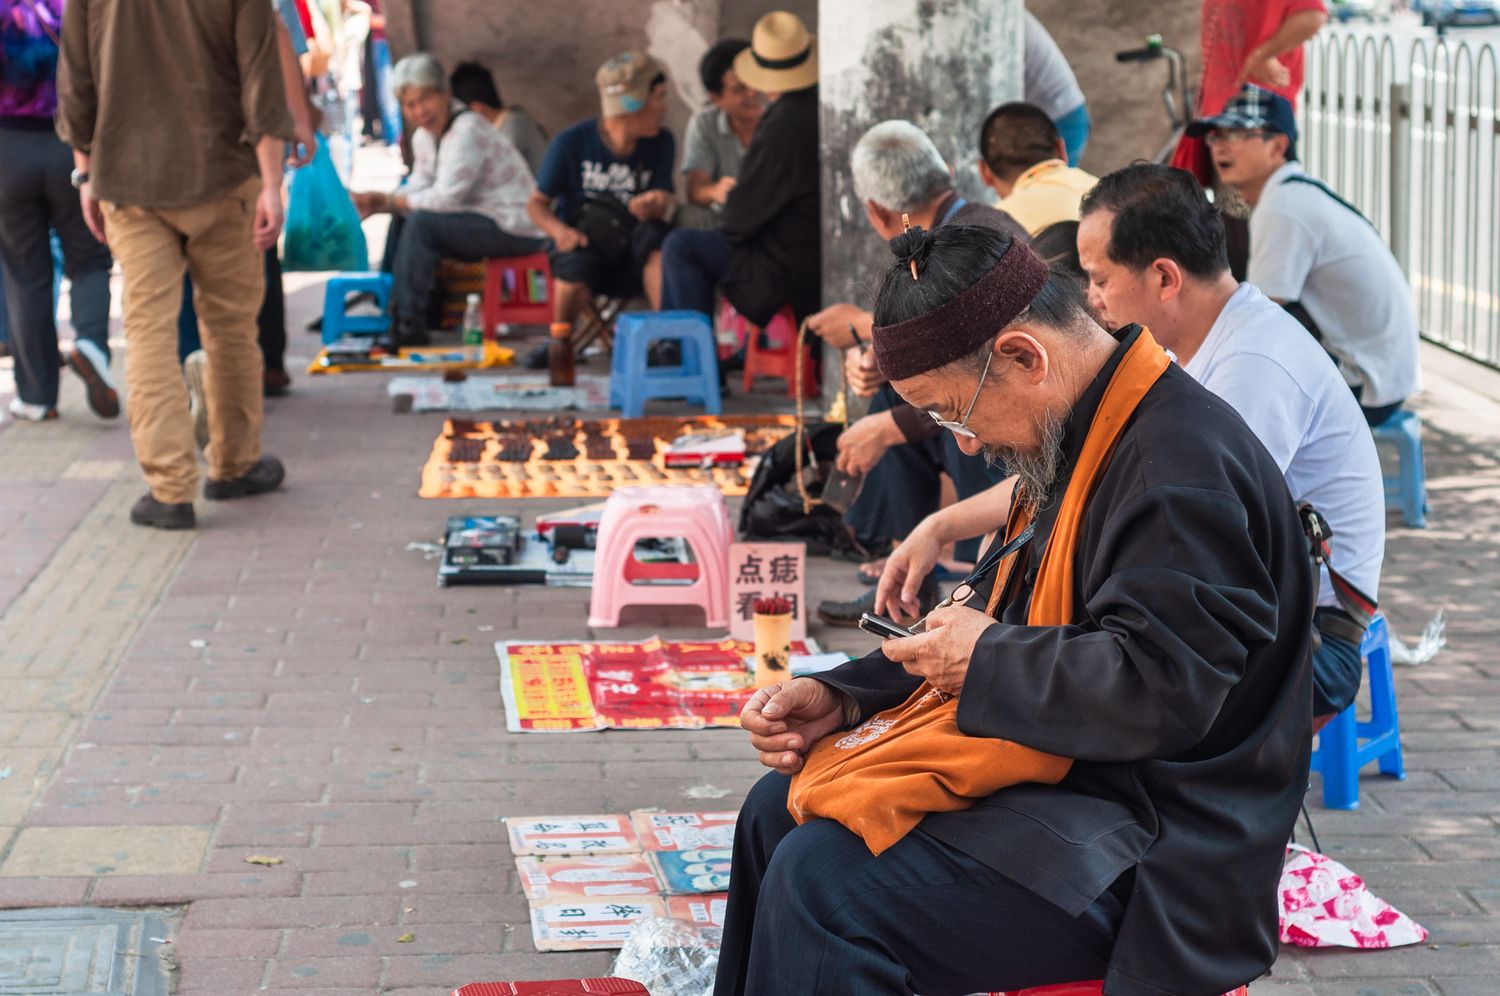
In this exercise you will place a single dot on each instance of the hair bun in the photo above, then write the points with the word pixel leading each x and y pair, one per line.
pixel 912 247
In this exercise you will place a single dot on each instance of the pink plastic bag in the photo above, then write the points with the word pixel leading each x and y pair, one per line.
pixel 1325 905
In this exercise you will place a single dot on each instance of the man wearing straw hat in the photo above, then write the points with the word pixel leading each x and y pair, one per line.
pixel 768 252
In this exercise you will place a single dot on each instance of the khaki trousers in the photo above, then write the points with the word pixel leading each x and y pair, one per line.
pixel 154 248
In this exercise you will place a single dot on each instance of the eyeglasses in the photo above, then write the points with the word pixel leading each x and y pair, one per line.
pixel 1228 135
pixel 961 427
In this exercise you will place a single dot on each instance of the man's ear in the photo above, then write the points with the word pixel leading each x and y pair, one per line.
pixel 880 219
pixel 1019 353
pixel 1060 150
pixel 1168 276
pixel 987 176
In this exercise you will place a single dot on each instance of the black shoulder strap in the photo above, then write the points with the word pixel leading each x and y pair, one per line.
pixel 1313 181
pixel 1353 601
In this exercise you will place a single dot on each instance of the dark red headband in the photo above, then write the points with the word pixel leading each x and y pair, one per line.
pixel 964 324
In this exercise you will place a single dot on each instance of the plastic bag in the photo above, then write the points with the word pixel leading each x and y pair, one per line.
pixel 670 957
pixel 322 225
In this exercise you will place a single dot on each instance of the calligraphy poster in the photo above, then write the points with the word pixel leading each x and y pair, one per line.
pixel 571 835
pixel 588 926
pixel 766 570
pixel 648 685
pixel 659 831
pixel 586 876
pixel 701 911
pixel 583 902
pixel 686 873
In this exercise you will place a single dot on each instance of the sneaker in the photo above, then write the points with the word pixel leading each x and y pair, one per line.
pixel 31 413
pixel 833 613
pixel 266 475
pixel 162 515
pixel 89 362
pixel 195 372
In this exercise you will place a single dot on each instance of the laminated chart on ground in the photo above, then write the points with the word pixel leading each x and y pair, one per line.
pixel 567 457
pixel 647 685
pixel 526 392
pixel 585 899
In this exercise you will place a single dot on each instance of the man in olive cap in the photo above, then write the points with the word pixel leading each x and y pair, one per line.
pixel 624 155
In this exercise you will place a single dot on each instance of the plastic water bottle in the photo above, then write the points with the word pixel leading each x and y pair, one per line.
pixel 474 327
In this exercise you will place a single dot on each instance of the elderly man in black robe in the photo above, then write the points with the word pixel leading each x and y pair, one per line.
pixel 1180 689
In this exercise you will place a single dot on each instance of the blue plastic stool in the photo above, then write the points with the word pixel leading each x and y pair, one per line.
pixel 1345 745
pixel 695 379
pixel 1407 489
pixel 337 324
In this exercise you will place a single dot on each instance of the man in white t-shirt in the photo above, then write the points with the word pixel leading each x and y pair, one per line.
pixel 1153 247
pixel 1315 253
pixel 1048 82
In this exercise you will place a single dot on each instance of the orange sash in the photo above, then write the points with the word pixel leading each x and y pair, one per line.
pixel 881 778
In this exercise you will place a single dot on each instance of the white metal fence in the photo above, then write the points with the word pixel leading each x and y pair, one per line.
pixel 1408 132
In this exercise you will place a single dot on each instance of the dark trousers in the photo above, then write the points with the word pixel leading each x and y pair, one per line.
pixel 905 486
pixel 1337 671
pixel 35 195
pixel 692 264
pixel 270 321
pixel 812 911
pixel 1379 414
pixel 425 239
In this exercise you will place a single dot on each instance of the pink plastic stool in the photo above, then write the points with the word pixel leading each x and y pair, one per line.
pixel 697 515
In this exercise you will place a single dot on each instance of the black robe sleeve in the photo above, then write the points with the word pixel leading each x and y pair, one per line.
pixel 874 682
pixel 1175 594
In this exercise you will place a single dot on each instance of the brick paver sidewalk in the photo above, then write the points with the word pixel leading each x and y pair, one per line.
pixel 289 682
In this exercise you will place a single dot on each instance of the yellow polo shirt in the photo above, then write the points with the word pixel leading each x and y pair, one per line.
pixel 1047 193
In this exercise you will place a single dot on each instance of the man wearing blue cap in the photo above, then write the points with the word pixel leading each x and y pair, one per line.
pixel 1314 253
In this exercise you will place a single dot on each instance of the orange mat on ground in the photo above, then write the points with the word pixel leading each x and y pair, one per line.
pixel 564 457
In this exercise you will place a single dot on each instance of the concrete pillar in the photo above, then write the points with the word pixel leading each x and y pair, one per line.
pixel 942 64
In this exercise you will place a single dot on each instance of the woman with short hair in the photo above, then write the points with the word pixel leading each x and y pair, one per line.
pixel 465 197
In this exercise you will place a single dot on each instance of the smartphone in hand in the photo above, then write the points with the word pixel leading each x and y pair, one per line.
pixel 883 627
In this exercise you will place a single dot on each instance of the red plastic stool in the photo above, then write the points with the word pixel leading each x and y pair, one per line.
pixel 776 359
pixel 1085 989
pixel 555 987
pixel 510 295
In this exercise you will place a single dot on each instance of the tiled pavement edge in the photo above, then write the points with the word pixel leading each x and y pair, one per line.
pixel 300 689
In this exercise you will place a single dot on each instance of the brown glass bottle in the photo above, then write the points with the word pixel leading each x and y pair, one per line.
pixel 560 355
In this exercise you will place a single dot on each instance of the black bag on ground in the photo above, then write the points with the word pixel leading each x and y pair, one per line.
pixel 772 509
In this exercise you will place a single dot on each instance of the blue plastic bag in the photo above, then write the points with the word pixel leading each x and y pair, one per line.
pixel 322 225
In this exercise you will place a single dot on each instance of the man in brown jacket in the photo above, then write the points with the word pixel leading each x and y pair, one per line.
pixel 176 114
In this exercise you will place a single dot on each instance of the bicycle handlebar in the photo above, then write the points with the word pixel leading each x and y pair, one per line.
pixel 1146 54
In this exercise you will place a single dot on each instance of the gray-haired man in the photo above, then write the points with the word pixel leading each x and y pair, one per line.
pixel 901 452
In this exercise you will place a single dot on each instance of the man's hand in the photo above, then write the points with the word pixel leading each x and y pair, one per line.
pixel 1265 70
pixel 93 215
pixel 863 444
pixel 905 569
pixel 942 653
pixel 267 216
pixel 718 192
pixel 861 372
pixel 569 239
pixel 367 202
pixel 304 144
pixel 833 322
pixel 785 720
pixel 650 205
